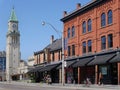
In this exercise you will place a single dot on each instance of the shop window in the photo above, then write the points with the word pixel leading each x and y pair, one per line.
pixel 84 27
pixel 73 50
pixel 103 42
pixel 89 46
pixel 110 41
pixel 104 70
pixel 73 31
pixel 110 17
pixel 103 20
pixel 89 25
pixel 84 47
pixel 68 32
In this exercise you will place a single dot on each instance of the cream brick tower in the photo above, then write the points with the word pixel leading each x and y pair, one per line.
pixel 12 47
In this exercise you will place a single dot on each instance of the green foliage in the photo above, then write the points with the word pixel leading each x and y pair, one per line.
pixel 32 78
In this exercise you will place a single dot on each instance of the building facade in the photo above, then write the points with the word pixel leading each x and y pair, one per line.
pixel 47 61
pixel 12 47
pixel 22 71
pixel 91 34
pixel 2 65
pixel 31 61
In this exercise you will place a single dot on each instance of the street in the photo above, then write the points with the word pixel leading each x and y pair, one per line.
pixel 23 87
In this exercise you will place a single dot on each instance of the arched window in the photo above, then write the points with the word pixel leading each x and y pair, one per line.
pixel 103 20
pixel 84 27
pixel 89 25
pixel 73 31
pixel 110 17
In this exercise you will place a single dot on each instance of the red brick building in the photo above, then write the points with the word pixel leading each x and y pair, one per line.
pixel 92 39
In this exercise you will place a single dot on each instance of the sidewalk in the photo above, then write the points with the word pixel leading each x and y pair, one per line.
pixel 70 86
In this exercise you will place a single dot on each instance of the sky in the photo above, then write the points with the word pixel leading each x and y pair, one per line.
pixel 30 14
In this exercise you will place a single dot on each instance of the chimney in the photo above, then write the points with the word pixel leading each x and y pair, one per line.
pixel 78 6
pixel 64 13
pixel 52 39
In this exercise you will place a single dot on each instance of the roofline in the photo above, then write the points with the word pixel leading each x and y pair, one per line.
pixel 81 10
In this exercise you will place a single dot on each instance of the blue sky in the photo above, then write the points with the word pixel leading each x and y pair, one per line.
pixel 30 14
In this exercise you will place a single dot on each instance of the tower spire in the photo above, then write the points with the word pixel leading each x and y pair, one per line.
pixel 13 16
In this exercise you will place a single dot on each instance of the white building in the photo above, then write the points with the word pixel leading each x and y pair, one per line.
pixel 31 61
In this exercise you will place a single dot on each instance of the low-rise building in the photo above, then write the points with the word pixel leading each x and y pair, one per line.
pixel 47 61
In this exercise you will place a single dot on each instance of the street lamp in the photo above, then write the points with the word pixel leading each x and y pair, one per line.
pixel 58 32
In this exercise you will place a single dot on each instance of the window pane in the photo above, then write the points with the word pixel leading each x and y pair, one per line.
pixel 103 42
pixel 89 46
pixel 68 50
pixel 53 56
pixel 110 40
pixel 84 27
pixel 84 47
pixel 73 49
pixel 73 31
pixel 103 19
pixel 68 32
pixel 89 25
pixel 109 17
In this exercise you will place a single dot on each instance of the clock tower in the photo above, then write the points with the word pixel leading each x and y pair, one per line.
pixel 12 47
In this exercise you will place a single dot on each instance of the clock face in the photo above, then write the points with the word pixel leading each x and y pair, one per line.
pixel 14 26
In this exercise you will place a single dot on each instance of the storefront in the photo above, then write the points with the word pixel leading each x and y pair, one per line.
pixel 107 65
pixel 52 71
pixel 81 71
pixel 109 73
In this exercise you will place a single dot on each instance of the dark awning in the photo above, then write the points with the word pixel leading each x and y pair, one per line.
pixel 83 61
pixel 59 67
pixel 116 58
pixel 35 69
pixel 49 67
pixel 68 63
pixel 31 71
pixel 102 59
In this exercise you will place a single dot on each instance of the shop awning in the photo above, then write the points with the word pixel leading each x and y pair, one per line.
pixel 102 59
pixel 68 63
pixel 35 69
pixel 49 67
pixel 83 61
pixel 116 58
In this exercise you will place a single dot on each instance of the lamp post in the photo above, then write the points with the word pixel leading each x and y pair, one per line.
pixel 58 32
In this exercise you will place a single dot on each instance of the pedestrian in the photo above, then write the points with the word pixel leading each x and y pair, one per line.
pixel 49 80
pixel 88 82
pixel 100 79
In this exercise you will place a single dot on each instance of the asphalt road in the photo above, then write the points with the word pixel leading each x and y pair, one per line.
pixel 23 87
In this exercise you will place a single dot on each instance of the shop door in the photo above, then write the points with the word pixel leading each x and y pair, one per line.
pixel 114 73
pixel 75 75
